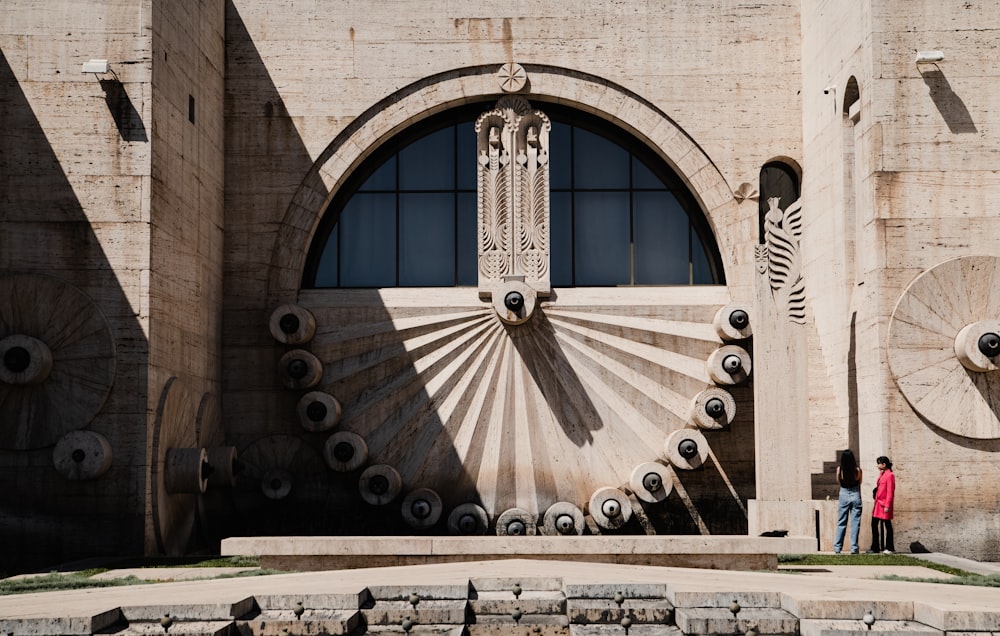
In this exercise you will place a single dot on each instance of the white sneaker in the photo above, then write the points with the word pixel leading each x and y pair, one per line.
pixel 886 551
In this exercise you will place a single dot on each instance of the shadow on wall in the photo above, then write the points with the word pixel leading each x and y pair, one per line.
pixel 419 383
pixel 48 241
pixel 126 117
pixel 853 432
pixel 950 105
pixel 374 377
pixel 558 382
pixel 971 443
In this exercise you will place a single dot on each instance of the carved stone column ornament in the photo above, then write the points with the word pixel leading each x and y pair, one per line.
pixel 781 385
pixel 783 229
pixel 513 195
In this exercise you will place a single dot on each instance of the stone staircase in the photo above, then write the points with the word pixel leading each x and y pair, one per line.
pixel 507 606
pixel 825 484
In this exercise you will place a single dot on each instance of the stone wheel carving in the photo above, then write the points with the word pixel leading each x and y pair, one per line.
pixel 174 428
pixel 210 436
pixel 283 478
pixel 517 416
pixel 41 313
pixel 925 324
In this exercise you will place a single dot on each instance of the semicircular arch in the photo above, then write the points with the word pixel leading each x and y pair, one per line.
pixel 443 91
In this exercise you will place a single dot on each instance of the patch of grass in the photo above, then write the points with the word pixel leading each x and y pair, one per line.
pixel 58 581
pixel 184 562
pixel 245 573
pixel 54 581
pixel 990 580
pixel 868 559
pixel 225 562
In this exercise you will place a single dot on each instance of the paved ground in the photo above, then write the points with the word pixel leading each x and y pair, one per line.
pixel 968 565
pixel 816 597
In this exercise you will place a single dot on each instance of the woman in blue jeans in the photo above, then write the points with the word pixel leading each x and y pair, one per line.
pixel 849 476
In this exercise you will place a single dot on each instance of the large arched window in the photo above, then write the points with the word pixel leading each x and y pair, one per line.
pixel 408 217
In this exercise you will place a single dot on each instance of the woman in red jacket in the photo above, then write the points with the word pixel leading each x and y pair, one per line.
pixel 885 492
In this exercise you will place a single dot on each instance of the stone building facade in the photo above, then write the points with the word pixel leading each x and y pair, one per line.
pixel 181 363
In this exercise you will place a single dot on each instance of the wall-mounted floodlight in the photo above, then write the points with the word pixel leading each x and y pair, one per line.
pixel 929 57
pixel 96 66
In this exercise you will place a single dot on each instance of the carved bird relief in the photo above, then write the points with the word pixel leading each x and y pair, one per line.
pixel 783 229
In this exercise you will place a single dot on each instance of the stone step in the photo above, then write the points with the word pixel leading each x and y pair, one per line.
pixel 826 627
pixel 635 630
pixel 190 612
pixel 182 628
pixel 418 630
pixel 609 590
pixel 426 612
pixel 420 592
pixel 699 598
pixel 352 601
pixel 641 611
pixel 507 584
pixel 528 625
pixel 528 602
pixel 68 625
pixel 274 623
pixel 710 620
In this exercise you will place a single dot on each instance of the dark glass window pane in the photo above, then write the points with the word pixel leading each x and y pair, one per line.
pixel 468 239
pixel 700 268
pixel 601 233
pixel 559 157
pixel 643 177
pixel 429 163
pixel 598 162
pixel 561 239
pixel 426 240
pixel 368 241
pixel 326 271
pixel 466 151
pixel 615 220
pixel 661 240
pixel 384 178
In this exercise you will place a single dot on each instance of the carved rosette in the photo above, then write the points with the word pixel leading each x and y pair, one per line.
pixel 782 231
pixel 513 195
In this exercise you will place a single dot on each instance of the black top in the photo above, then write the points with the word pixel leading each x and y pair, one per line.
pixel 853 482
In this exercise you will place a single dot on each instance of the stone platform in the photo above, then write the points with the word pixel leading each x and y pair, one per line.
pixel 722 552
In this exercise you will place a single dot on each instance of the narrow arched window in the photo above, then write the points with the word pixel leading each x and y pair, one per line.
pixel 408 216
pixel 777 180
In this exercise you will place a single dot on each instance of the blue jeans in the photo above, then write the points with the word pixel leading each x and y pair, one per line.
pixel 848 502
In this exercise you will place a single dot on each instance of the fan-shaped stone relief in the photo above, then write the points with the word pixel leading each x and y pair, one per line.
pixel 943 346
pixel 516 416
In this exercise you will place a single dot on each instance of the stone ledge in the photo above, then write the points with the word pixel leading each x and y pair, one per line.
pixel 727 552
